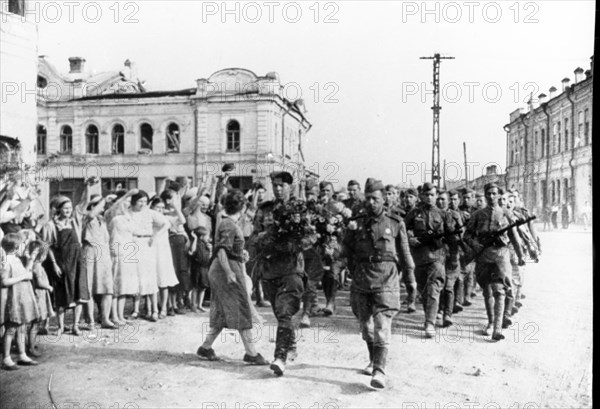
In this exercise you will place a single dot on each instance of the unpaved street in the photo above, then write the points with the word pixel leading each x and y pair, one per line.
pixel 545 360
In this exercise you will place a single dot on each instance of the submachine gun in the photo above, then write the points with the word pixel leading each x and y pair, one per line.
pixel 491 238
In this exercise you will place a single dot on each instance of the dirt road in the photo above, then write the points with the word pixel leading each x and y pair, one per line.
pixel 545 360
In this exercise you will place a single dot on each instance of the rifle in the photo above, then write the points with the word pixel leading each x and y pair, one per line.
pixel 491 238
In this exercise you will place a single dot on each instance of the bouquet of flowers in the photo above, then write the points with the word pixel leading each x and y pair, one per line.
pixel 331 224
pixel 291 231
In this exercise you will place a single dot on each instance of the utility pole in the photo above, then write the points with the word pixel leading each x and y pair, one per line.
pixel 466 167
pixel 435 155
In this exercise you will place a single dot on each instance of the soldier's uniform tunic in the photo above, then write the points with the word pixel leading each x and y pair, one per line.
pixel 430 255
pixel 447 297
pixel 376 247
pixel 465 284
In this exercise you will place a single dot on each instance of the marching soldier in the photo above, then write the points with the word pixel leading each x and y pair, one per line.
pixel 466 281
pixel 447 296
pixel 426 224
pixel 408 277
pixel 376 242
pixel 282 276
pixel 354 201
pixel 492 266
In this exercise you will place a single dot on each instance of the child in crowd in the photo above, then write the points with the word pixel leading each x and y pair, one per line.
pixel 21 307
pixel 42 289
pixel 200 253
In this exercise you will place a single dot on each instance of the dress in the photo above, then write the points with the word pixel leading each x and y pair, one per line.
pixel 43 298
pixel 71 286
pixel 144 224
pixel 230 305
pixel 166 276
pixel 122 248
pixel 21 305
pixel 96 256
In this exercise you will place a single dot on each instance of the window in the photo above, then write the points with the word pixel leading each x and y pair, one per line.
pixel 146 133
pixel 91 139
pixel 66 139
pixel 512 157
pixel 580 134
pixel 243 183
pixel 71 188
pixel 173 140
pixel 586 130
pixel 111 185
pixel 16 7
pixel 543 143
pixel 41 140
pixel 233 136
pixel 536 144
pixel 566 145
pixel 118 140
pixel 557 138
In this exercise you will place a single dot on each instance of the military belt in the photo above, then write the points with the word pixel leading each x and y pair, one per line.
pixel 376 259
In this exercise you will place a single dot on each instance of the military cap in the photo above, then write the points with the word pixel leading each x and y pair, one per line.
pixel 373 185
pixel 452 192
pixel 324 184
pixel 353 183
pixel 411 191
pixel 489 186
pixel 427 187
pixel 285 177
pixel 390 187
pixel 228 167
pixel 478 194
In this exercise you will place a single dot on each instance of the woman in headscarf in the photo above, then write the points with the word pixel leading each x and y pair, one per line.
pixel 63 235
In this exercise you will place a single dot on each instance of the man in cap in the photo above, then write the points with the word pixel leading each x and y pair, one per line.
pixel 425 225
pixel 465 284
pixel 376 242
pixel 492 268
pixel 410 199
pixel 392 201
pixel 282 275
pixel 354 201
pixel 408 277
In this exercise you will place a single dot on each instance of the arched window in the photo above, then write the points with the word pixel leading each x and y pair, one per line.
pixel 543 143
pixel 566 134
pixel 233 136
pixel 118 140
pixel 41 140
pixel 91 139
pixel 173 138
pixel 146 133
pixel 66 139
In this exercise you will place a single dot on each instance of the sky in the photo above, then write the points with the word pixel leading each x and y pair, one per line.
pixel 355 63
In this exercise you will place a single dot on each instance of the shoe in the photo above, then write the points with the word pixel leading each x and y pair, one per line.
pixel 473 294
pixel 209 354
pixel 170 312
pixel 467 303
pixel 134 316
pixel 12 367
pixel 202 309
pixel 263 304
pixel 518 304
pixel 193 308
pixel 109 325
pixel 34 352
pixel 457 308
pixel 447 322
pixel 278 366
pixel 76 331
pixel 506 322
pixel 30 362
pixel 378 380
pixel 162 315
pixel 488 330
pixel 429 330
pixel 305 321
pixel 514 310
pixel 43 331
pixel 329 309
pixel 411 308
pixel 255 360
pixel 369 369
pixel 179 311
pixel 154 317
pixel 497 336
pixel 523 296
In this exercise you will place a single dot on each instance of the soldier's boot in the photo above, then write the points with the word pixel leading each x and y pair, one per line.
pixel 411 289
pixel 378 380
pixel 305 320
pixel 369 369
pixel 498 316
pixel 518 297
pixel 292 351
pixel 489 309
pixel 330 290
pixel 508 308
pixel 282 343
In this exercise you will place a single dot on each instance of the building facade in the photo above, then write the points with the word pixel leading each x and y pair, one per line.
pixel 549 148
pixel 18 68
pixel 108 125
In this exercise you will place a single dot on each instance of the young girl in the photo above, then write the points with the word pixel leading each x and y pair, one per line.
pixel 166 277
pixel 200 252
pixel 21 306
pixel 42 294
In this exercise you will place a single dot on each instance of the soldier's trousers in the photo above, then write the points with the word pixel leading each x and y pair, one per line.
pixel 314 274
pixel 284 293
pixel 331 279
pixel 375 312
pixel 430 281
pixel 447 297
pixel 465 283
pixel 494 280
